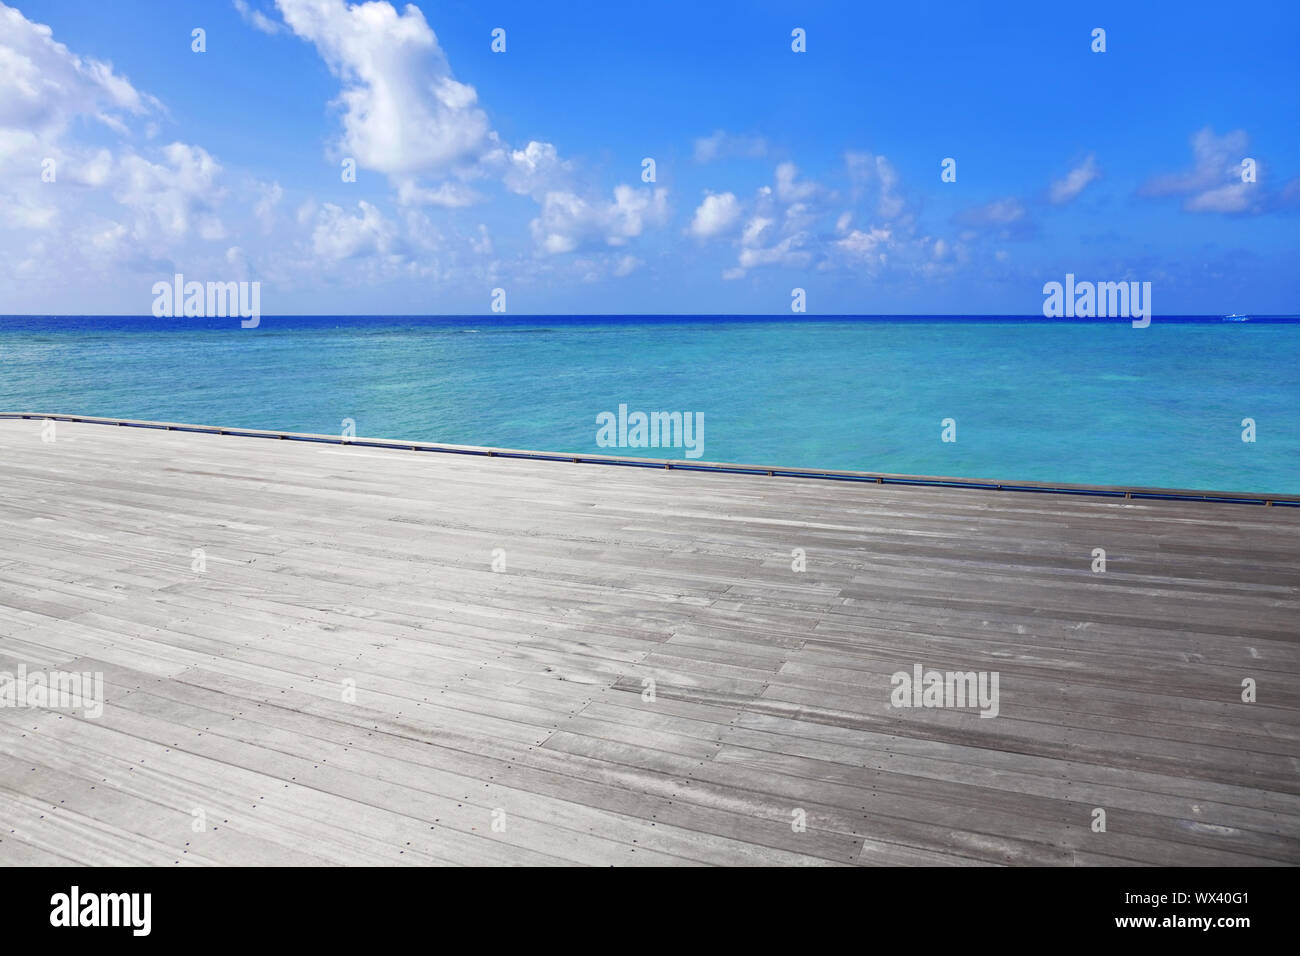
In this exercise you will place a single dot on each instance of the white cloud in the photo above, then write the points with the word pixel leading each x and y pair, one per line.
pixel 535 167
pixel 31 214
pixel 722 145
pixel 799 217
pixel 405 115
pixel 790 251
pixel 307 210
pixel 237 259
pixel 448 195
pixel 1074 182
pixel 257 19
pixel 568 222
pixel 787 190
pixel 119 214
pixel 890 205
pixel 1217 159
pixel 341 236
pixel 715 215
pixel 873 174
pixel 598 267
pixel 786 223
pixel 999 212
pixel 1235 197
pixel 44 86
pixel 862 245
pixel 1213 184
pixel 781 225
pixel 626 265
pixel 170 198
pixel 755 229
pixel 110 210
pixel 94 170
pixel 403 111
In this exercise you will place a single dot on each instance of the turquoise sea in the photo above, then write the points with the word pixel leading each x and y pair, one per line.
pixel 1094 402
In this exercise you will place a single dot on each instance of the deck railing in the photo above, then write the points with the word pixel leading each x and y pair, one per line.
pixel 881 478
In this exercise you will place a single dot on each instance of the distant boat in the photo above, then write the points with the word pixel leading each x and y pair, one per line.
pixel 1236 317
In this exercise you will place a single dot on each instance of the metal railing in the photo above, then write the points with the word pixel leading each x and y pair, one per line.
pixel 880 478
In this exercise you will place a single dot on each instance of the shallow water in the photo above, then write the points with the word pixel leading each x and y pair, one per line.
pixel 1075 402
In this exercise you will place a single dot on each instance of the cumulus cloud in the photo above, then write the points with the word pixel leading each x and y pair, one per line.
pixel 901 253
pixel 338 235
pixel 1074 182
pixel 107 208
pixel 863 245
pixel 1216 159
pixel 715 215
pixel 1214 183
pixel 787 223
pixel 776 222
pixel 44 86
pixel 790 251
pixel 534 168
pixel 92 203
pixel 172 197
pixel 568 221
pixel 403 111
pixel 404 114
pixel 723 145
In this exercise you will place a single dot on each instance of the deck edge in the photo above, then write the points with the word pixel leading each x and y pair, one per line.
pixel 775 471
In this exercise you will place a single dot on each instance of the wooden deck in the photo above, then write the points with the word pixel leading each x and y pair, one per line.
pixel 517 696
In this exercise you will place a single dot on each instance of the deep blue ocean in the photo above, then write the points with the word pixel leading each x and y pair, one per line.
pixel 1085 401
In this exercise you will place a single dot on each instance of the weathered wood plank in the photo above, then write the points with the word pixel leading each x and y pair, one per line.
pixel 348 680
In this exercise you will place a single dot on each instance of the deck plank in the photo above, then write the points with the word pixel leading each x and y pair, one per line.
pixel 333 567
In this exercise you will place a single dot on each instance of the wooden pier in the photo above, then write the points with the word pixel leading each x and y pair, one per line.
pixel 325 653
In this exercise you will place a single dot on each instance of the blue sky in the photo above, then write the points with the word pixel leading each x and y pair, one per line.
pixel 522 170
